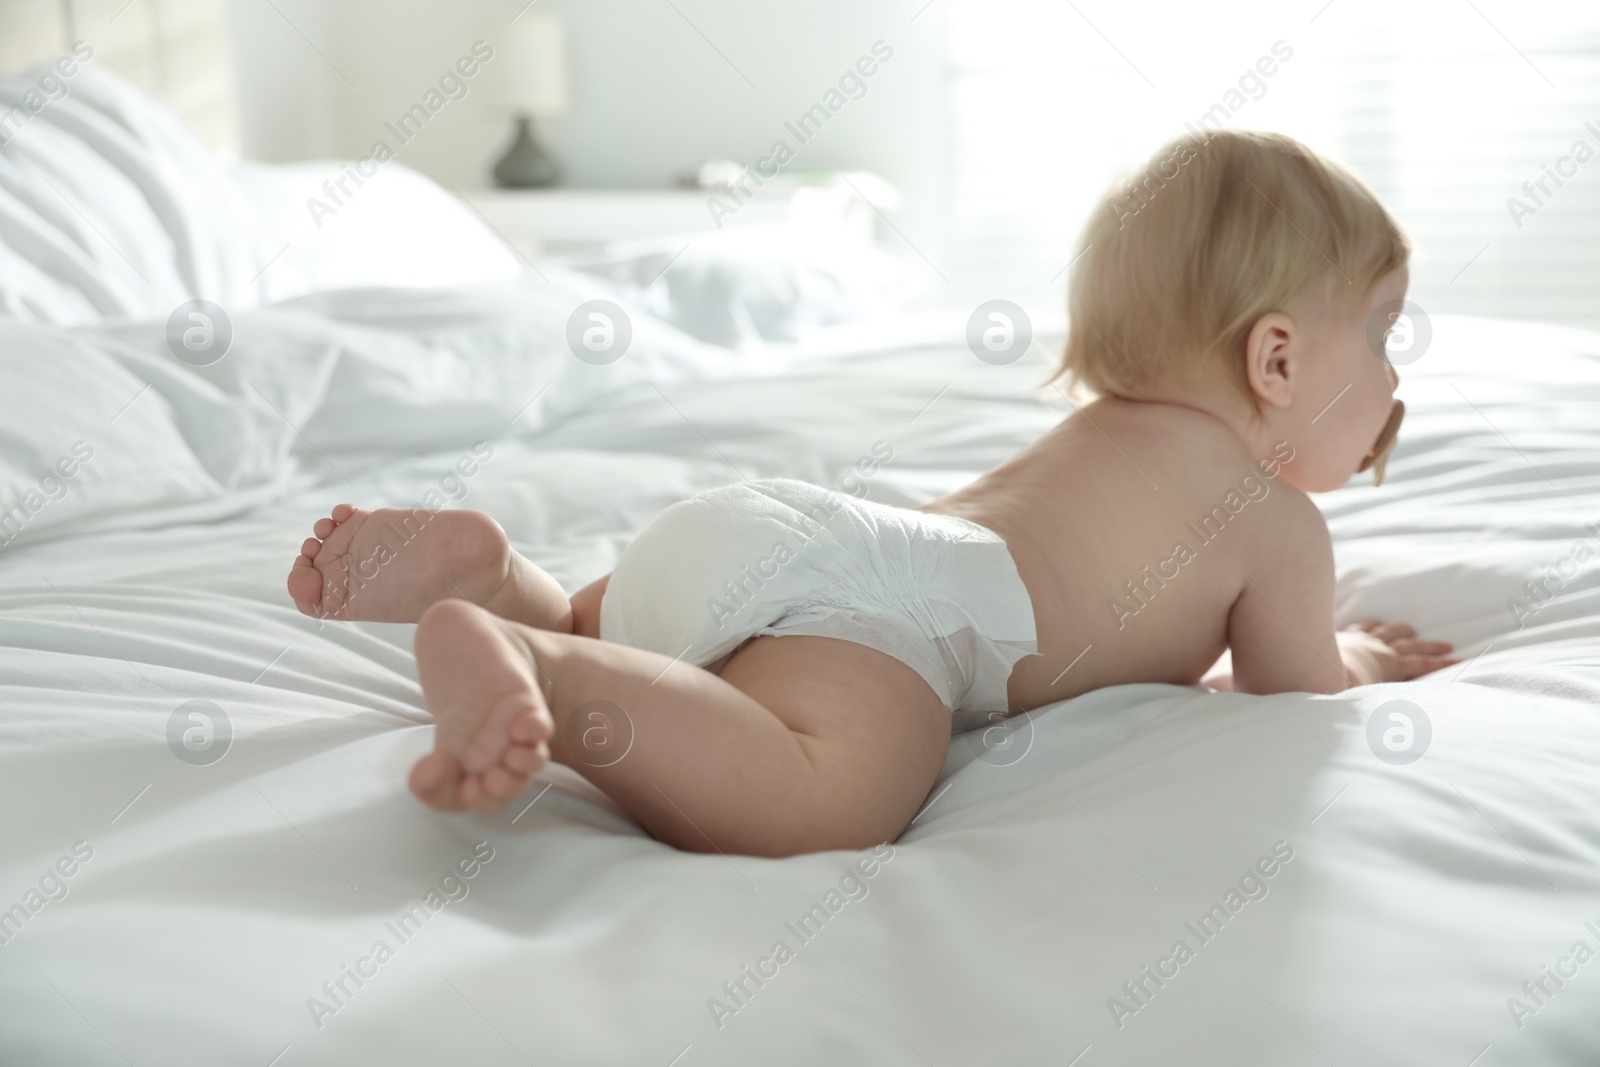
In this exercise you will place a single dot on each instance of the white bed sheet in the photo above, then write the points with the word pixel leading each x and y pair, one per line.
pixel 220 898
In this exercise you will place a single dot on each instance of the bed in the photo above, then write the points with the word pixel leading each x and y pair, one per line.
pixel 210 857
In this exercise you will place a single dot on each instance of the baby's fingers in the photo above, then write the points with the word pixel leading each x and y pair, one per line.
pixel 1409 646
pixel 1416 666
pixel 1387 632
pixel 1391 632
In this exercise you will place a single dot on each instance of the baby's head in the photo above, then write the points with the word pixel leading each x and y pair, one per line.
pixel 1238 271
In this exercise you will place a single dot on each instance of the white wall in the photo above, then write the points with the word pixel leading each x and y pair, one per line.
pixel 650 95
pixel 286 91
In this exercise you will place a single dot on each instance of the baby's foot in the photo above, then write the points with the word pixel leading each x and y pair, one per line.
pixel 391 565
pixel 493 724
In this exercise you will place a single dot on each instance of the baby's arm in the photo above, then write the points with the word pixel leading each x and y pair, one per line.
pixel 1280 629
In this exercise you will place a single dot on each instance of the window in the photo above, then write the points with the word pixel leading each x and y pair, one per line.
pixel 1477 122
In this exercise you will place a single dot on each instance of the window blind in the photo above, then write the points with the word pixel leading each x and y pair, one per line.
pixel 1477 122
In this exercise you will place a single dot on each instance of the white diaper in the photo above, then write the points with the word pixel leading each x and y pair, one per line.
pixel 779 556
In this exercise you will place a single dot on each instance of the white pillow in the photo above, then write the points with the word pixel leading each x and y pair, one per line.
pixel 111 207
pixel 396 229
pixel 746 286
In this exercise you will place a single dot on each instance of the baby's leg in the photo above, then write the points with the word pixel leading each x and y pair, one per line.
pixel 802 743
pixel 391 565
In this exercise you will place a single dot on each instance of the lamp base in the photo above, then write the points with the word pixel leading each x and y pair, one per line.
pixel 526 165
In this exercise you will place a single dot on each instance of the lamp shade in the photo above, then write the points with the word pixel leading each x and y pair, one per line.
pixel 528 74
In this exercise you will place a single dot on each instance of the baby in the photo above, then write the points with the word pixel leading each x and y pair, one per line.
pixel 776 668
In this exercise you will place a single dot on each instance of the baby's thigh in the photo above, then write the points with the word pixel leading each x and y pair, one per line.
pixel 875 731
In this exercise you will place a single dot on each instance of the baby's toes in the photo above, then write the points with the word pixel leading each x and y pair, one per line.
pixel 305 585
pixel 486 746
pixel 482 750
pixel 436 780
pixel 323 528
pixel 527 759
pixel 502 783
pixel 343 512
pixel 531 727
pixel 475 795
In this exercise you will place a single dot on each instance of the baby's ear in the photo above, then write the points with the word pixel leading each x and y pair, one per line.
pixel 1269 355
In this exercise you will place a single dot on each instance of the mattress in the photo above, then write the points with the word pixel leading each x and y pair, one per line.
pixel 215 858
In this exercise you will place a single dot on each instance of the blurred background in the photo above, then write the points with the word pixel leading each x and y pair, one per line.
pixel 997 122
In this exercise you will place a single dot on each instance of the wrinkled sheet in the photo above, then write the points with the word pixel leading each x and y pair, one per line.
pixel 223 908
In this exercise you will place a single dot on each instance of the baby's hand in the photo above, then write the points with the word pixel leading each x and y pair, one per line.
pixel 1389 652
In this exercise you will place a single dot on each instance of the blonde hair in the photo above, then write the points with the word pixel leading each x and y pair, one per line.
pixel 1178 262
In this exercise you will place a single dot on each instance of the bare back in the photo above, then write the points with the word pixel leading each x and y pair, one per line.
pixel 1136 528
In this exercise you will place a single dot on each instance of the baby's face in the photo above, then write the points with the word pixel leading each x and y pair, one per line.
pixel 1347 393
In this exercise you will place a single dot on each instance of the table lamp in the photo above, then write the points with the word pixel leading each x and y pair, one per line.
pixel 528 78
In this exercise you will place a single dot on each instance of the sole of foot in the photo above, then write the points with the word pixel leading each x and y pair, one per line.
pixel 391 565
pixel 493 724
